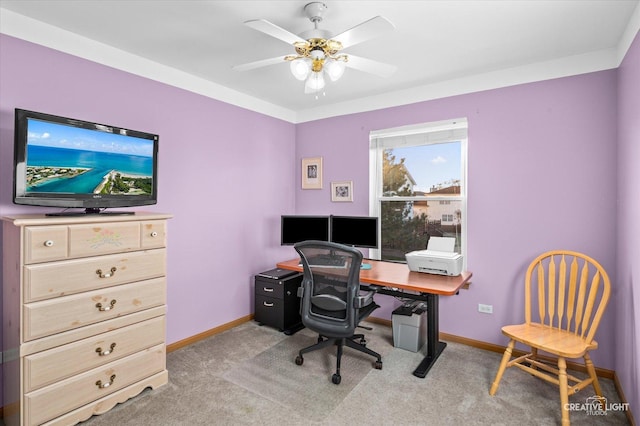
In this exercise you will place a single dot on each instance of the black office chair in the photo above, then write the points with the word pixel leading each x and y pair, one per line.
pixel 331 304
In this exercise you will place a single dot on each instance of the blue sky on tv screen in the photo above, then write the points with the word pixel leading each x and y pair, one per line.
pixel 54 135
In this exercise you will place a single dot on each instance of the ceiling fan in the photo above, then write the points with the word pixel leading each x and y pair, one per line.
pixel 319 53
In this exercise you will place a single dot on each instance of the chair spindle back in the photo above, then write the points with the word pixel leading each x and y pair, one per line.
pixel 571 291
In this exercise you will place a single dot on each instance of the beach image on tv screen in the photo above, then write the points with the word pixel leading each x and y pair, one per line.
pixel 66 159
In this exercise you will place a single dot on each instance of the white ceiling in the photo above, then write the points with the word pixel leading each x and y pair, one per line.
pixel 441 48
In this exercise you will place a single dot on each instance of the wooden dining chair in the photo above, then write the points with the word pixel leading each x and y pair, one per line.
pixel 569 292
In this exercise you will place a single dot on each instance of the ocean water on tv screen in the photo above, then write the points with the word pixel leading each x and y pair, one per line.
pixel 52 169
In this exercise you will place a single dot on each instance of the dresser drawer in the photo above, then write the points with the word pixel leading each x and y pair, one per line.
pixel 45 243
pixel 103 238
pixel 51 366
pixel 54 279
pixel 153 234
pixel 51 316
pixel 57 242
pixel 51 401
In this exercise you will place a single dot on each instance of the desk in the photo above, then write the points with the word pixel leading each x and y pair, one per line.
pixel 397 280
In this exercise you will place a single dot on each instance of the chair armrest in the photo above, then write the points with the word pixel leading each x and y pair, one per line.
pixel 363 300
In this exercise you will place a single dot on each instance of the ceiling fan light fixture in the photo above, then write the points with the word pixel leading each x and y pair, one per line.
pixel 317 54
pixel 334 69
pixel 315 83
pixel 317 50
pixel 300 68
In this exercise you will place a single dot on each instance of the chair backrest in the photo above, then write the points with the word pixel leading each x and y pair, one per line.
pixel 571 291
pixel 330 285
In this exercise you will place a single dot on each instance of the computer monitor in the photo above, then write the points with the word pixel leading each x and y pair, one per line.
pixel 357 231
pixel 295 228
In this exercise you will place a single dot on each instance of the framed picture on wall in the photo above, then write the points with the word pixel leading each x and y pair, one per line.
pixel 312 173
pixel 342 191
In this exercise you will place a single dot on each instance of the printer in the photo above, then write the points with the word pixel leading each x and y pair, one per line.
pixel 439 258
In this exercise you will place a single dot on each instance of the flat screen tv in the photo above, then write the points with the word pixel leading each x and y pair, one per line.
pixel 356 231
pixel 302 228
pixel 68 163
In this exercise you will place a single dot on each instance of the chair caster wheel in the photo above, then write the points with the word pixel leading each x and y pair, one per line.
pixel 336 379
pixel 299 360
pixel 378 365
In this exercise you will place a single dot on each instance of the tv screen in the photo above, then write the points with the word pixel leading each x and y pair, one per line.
pixel 67 163
pixel 357 231
pixel 302 228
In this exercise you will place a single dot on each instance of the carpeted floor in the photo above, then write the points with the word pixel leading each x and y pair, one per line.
pixel 270 374
pixel 247 376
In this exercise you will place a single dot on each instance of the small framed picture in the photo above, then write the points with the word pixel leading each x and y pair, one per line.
pixel 342 191
pixel 312 173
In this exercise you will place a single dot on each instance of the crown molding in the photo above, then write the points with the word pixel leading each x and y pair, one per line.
pixel 630 33
pixel 38 32
pixel 34 31
pixel 564 67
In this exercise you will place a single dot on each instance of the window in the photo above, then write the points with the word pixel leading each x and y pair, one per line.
pixel 418 186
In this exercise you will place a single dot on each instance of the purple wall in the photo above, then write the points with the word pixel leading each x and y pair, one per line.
pixel 226 182
pixel 627 293
pixel 542 176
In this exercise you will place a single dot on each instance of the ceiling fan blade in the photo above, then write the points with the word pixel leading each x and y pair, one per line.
pixel 364 31
pixel 370 66
pixel 274 31
pixel 258 64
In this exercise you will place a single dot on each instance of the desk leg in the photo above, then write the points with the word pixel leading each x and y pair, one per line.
pixel 434 346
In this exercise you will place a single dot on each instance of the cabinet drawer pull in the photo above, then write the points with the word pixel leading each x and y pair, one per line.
pixel 106 308
pixel 154 234
pixel 101 385
pixel 267 289
pixel 107 275
pixel 267 304
pixel 107 352
pixel 48 243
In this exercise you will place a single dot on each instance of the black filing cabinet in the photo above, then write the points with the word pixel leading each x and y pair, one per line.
pixel 276 300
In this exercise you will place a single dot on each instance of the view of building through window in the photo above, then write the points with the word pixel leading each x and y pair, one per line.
pixel 420 194
pixel 427 174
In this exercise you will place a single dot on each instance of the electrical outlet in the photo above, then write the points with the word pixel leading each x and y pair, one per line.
pixel 486 309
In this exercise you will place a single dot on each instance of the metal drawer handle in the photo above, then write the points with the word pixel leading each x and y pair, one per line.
pixel 106 308
pixel 101 275
pixel 267 289
pixel 154 234
pixel 105 353
pixel 101 385
pixel 268 305
pixel 48 243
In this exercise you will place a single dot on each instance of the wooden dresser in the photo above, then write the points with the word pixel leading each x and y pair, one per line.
pixel 84 314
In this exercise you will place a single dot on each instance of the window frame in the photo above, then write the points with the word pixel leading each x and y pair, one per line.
pixel 445 131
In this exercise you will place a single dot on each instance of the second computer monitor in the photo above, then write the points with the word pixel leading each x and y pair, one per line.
pixel 357 231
